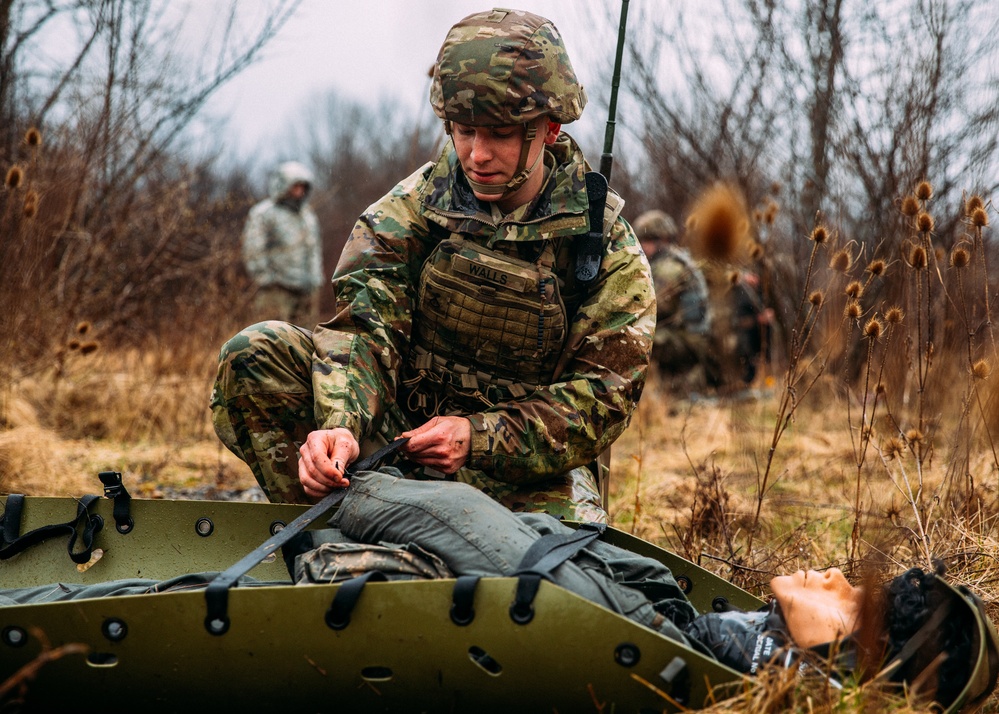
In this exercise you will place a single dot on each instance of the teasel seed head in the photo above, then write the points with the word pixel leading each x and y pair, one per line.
pixel 974 203
pixel 917 258
pixel 89 347
pixel 73 344
pixel 83 327
pixel 820 234
pixel 873 328
pixel 924 191
pixel 816 298
pixel 853 310
pixel 959 257
pixel 15 174
pixel 33 137
pixel 841 261
pixel 31 205
pixel 894 315
pixel 854 289
pixel 876 267
pixel 924 222
pixel 914 436
pixel 981 369
pixel 979 218
pixel 722 222
pixel 770 214
pixel 910 206
pixel 893 448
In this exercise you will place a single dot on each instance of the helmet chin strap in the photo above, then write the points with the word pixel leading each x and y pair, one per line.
pixel 520 176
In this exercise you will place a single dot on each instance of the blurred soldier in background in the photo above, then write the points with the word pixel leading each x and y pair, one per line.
pixel 282 250
pixel 751 320
pixel 683 323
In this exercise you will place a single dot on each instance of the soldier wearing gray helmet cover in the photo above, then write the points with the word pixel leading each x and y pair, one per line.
pixel 459 321
pixel 282 249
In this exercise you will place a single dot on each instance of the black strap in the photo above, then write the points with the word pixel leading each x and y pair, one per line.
pixel 463 599
pixel 590 247
pixel 83 526
pixel 217 592
pixel 10 521
pixel 347 595
pixel 544 555
pixel 115 490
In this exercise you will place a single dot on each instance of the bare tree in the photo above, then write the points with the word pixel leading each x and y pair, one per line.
pixel 99 192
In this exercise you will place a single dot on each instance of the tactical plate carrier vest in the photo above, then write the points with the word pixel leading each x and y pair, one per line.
pixel 490 327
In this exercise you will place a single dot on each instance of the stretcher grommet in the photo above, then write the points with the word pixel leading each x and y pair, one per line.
pixel 685 583
pixel 14 636
pixel 204 527
pixel 521 613
pixel 277 527
pixel 114 629
pixel 627 655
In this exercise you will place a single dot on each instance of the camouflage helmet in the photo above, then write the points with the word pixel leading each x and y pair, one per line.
pixel 655 225
pixel 504 67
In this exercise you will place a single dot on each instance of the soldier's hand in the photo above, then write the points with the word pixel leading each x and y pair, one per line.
pixel 324 458
pixel 443 443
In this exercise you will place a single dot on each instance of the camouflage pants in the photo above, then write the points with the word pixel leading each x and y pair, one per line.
pixel 262 410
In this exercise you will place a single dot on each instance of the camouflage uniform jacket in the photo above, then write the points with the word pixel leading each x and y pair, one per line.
pixel 601 371
pixel 681 291
pixel 281 243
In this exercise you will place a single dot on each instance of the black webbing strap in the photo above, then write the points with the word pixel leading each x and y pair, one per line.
pixel 10 519
pixel 463 600
pixel 217 592
pixel 82 527
pixel 116 491
pixel 590 247
pixel 347 595
pixel 544 555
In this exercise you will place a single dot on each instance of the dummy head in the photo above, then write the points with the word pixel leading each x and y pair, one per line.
pixel 930 636
pixel 818 607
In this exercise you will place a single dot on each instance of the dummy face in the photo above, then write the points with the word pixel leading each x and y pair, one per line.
pixel 818 607
pixel 491 154
pixel 298 191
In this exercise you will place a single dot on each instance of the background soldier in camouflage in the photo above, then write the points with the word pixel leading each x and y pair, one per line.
pixel 459 320
pixel 282 250
pixel 682 341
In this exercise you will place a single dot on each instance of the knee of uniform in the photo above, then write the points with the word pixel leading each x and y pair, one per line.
pixel 271 356
pixel 256 337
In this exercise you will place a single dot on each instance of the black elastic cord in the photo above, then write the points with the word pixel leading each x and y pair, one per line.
pixel 10 521
pixel 463 599
pixel 83 526
pixel 115 490
pixel 544 555
pixel 347 595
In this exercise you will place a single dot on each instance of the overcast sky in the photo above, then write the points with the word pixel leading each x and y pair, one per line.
pixel 368 49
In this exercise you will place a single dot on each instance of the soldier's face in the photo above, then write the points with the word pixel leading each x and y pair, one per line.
pixel 491 155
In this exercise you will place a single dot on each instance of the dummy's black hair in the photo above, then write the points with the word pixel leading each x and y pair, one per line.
pixel 911 599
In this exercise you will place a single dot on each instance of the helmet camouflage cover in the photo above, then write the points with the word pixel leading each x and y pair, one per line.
pixel 505 67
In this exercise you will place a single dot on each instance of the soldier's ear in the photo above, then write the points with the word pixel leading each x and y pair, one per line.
pixel 554 128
